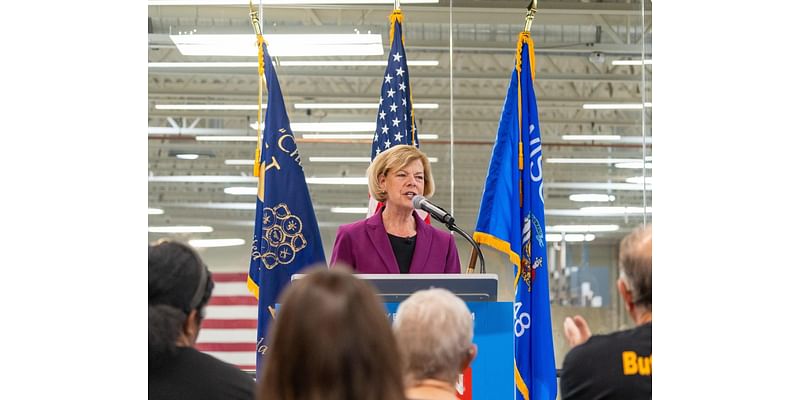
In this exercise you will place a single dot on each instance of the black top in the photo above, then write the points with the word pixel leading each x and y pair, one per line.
pixel 195 375
pixel 403 249
pixel 614 366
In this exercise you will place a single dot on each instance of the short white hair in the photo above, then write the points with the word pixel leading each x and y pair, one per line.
pixel 434 332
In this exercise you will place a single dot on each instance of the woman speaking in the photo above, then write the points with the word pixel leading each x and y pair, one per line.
pixel 396 240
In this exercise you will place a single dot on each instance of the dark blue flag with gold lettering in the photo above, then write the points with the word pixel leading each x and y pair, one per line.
pixel 286 236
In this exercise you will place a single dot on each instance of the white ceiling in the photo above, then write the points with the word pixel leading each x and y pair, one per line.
pixel 575 44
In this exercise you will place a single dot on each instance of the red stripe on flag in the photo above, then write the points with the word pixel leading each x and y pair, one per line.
pixel 230 323
pixel 229 277
pixel 233 301
pixel 226 346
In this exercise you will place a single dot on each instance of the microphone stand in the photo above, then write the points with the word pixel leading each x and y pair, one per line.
pixel 452 226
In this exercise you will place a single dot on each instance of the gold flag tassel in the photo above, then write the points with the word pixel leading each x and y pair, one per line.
pixel 262 84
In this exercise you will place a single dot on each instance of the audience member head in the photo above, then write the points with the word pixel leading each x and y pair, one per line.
pixel 179 287
pixel 636 264
pixel 393 159
pixel 434 332
pixel 331 340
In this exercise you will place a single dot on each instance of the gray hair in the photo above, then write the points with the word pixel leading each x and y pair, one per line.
pixel 636 264
pixel 434 332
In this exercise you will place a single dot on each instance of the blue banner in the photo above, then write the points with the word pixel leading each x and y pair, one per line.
pixel 286 236
pixel 511 220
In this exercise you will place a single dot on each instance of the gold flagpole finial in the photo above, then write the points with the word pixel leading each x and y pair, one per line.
pixel 532 6
pixel 254 18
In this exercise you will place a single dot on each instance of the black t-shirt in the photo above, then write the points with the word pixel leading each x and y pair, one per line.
pixel 614 366
pixel 198 376
pixel 403 249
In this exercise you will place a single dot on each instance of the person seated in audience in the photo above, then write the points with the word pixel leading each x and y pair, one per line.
pixel 434 330
pixel 617 365
pixel 331 340
pixel 179 287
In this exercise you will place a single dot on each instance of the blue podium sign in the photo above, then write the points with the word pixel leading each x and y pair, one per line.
pixel 491 375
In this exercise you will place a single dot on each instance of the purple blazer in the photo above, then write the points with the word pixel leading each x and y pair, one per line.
pixel 364 245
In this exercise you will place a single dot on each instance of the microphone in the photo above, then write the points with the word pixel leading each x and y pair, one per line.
pixel 421 203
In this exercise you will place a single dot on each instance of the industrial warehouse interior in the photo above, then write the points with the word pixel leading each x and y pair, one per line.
pixel 593 94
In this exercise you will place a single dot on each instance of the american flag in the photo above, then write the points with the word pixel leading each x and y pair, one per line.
pixel 231 321
pixel 395 121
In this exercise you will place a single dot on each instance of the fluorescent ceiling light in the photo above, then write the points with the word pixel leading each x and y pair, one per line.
pixel 286 45
pixel 640 179
pixel 589 160
pixel 154 211
pixel 188 156
pixel 634 165
pixel 204 179
pixel 613 210
pixel 277 2
pixel 180 229
pixel 590 137
pixel 582 228
pixel 354 63
pixel 615 106
pixel 570 237
pixel 210 107
pixel 349 210
pixel 356 180
pixel 595 186
pixel 329 127
pixel 356 136
pixel 241 190
pixel 231 138
pixel 339 159
pixel 347 106
pixel 215 64
pixel 171 130
pixel 240 162
pixel 592 197
pixel 631 62
pixel 216 242
pixel 351 159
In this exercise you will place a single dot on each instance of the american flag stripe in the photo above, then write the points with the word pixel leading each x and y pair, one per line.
pixel 230 323
pixel 228 331
pixel 227 347
pixel 233 301
pixel 227 335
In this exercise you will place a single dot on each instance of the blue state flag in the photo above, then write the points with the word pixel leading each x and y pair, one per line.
pixel 511 220
pixel 286 236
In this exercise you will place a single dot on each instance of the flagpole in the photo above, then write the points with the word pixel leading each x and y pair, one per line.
pixel 532 7
pixel 254 20
pixel 396 4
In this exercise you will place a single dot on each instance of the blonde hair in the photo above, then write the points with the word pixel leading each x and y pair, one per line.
pixel 395 158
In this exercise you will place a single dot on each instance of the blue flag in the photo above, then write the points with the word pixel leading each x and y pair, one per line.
pixel 286 236
pixel 511 220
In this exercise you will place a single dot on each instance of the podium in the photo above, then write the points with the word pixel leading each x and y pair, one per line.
pixel 394 288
